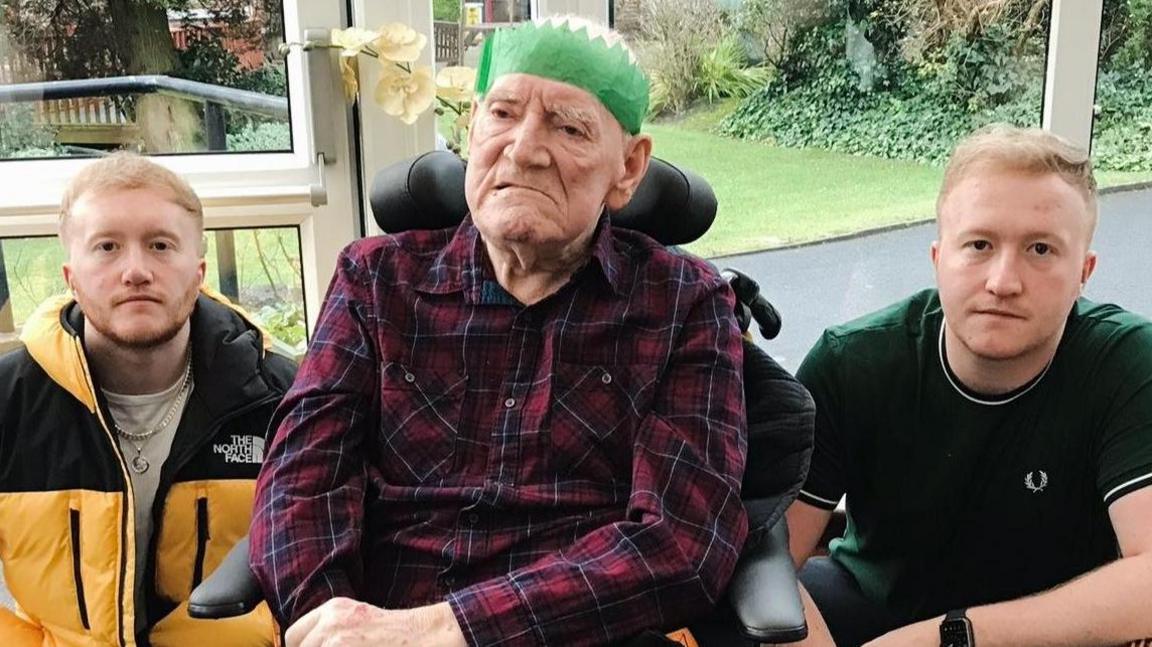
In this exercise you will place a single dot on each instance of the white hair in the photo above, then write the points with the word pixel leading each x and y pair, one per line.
pixel 595 30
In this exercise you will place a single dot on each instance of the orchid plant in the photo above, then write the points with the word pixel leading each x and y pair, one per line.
pixel 405 90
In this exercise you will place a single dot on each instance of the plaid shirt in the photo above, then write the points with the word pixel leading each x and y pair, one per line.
pixel 565 473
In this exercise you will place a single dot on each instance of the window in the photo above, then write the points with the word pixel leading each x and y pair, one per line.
pixel 298 169
pixel 205 78
pixel 1122 117
pixel 822 120
pixel 259 269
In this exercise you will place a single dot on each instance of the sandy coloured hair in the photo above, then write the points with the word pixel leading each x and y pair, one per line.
pixel 1002 147
pixel 123 171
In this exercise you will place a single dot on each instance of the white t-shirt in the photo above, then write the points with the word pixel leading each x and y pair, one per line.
pixel 136 414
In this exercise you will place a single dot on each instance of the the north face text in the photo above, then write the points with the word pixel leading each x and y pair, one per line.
pixel 243 449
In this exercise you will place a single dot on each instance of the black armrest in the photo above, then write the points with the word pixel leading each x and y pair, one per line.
pixel 764 592
pixel 231 590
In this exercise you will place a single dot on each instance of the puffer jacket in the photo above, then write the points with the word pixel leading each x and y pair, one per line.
pixel 67 541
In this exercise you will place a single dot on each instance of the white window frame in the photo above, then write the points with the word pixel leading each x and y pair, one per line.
pixel 1070 81
pixel 383 139
pixel 250 190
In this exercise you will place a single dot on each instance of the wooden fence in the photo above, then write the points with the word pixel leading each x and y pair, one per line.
pixel 94 120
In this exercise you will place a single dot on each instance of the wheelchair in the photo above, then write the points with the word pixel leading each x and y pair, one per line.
pixel 675 207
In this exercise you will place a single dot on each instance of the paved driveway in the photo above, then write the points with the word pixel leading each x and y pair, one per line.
pixel 821 285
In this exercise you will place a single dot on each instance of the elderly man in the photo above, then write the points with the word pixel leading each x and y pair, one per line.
pixel 119 489
pixel 994 435
pixel 526 430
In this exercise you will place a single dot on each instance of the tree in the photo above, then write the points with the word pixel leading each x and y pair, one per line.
pixel 100 38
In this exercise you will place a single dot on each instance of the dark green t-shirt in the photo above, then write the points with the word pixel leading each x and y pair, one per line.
pixel 957 499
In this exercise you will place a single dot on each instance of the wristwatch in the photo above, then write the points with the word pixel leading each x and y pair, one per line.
pixel 956 630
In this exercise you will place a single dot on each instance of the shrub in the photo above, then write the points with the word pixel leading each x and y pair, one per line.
pixel 269 136
pixel 285 322
pixel 1123 130
pixel 724 72
pixel 446 10
pixel 1126 34
pixel 768 26
pixel 21 135
pixel 269 78
pixel 909 117
pixel 675 37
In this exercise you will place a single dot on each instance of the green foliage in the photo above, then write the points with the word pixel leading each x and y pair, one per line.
pixel 916 108
pixel 676 36
pixel 768 26
pixel 1126 38
pixel 724 72
pixel 274 136
pixel 690 49
pixel 1123 129
pixel 206 60
pixel 20 135
pixel 267 79
pixel 446 10
pixel 983 71
pixel 284 321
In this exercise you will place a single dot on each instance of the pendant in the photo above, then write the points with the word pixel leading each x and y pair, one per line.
pixel 140 464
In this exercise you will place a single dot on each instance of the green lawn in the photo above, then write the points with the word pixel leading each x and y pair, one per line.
pixel 772 197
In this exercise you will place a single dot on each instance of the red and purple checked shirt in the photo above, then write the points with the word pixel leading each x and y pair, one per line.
pixel 566 473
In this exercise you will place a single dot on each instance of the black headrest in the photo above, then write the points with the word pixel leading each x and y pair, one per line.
pixel 672 205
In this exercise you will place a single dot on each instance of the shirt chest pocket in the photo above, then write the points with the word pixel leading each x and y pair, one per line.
pixel 594 417
pixel 419 421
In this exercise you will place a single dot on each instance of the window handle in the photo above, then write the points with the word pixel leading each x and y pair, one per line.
pixel 320 70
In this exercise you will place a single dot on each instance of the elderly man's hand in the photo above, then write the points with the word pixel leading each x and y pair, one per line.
pixel 349 623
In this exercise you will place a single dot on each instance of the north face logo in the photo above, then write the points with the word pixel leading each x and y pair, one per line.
pixel 244 449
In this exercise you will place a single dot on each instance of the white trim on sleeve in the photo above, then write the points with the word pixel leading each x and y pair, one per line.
pixel 1126 485
pixel 821 499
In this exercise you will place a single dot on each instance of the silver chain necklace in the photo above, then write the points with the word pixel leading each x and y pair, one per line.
pixel 139 463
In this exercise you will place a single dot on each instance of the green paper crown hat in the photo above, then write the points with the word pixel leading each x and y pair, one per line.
pixel 569 56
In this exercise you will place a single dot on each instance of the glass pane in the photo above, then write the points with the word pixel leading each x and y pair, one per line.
pixel 1122 126
pixel 260 270
pixel 257 268
pixel 830 118
pixel 206 77
pixel 843 112
pixel 32 269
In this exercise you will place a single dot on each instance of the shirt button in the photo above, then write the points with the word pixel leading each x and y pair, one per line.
pixel 449 581
pixel 606 378
pixel 510 402
pixel 408 377
pixel 473 519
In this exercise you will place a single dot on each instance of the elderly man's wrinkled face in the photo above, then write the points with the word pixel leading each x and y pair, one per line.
pixel 544 159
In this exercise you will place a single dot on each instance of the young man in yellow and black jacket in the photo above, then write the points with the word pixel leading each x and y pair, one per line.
pixel 132 425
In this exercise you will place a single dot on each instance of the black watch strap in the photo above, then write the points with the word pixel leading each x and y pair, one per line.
pixel 956 614
pixel 956 630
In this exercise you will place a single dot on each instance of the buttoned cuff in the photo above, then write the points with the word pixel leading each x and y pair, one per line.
pixel 494 613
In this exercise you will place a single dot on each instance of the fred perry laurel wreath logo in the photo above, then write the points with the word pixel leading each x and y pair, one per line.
pixel 1032 485
pixel 242 449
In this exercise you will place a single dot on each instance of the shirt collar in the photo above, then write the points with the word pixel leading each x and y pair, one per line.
pixel 463 264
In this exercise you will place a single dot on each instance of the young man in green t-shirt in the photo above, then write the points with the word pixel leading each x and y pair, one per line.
pixel 993 436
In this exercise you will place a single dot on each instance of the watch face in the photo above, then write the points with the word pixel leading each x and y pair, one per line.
pixel 955 633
